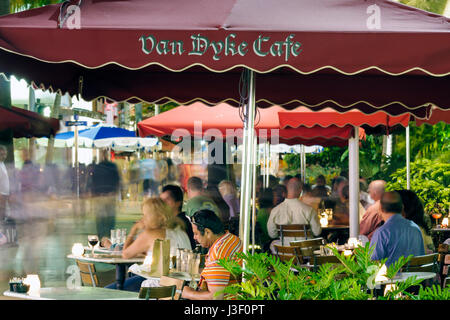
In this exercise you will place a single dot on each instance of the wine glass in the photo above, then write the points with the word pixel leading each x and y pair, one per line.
pixel 93 240
pixel 437 216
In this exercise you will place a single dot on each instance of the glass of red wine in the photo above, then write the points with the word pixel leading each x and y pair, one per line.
pixel 93 240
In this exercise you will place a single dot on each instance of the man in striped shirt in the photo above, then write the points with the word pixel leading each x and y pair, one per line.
pixel 209 232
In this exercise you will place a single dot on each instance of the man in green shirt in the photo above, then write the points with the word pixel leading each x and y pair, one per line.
pixel 197 199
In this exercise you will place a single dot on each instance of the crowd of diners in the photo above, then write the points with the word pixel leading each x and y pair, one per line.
pixel 206 220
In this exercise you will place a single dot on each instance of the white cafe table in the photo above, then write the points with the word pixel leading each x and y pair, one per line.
pixel 172 274
pixel 120 263
pixel 107 258
pixel 79 293
pixel 402 276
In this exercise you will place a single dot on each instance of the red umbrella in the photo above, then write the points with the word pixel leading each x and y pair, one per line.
pixel 27 124
pixel 437 115
pixel 337 53
pixel 326 127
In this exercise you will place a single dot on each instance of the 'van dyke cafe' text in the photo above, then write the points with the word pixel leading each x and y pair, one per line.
pixel 262 46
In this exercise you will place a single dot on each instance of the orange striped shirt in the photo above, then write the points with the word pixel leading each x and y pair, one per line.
pixel 214 275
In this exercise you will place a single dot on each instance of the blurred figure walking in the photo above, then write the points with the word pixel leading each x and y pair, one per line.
pixel 105 188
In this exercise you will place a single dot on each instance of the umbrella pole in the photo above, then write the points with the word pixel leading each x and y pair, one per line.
pixel 246 177
pixel 408 159
pixel 304 163
pixel 254 195
pixel 353 165
pixel 264 165
pixel 267 164
pixel 77 167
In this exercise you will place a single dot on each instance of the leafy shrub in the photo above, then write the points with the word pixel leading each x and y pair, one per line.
pixel 266 277
pixel 430 180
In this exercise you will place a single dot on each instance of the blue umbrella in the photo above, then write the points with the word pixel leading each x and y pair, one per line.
pixel 106 132
pixel 62 140
pixel 104 135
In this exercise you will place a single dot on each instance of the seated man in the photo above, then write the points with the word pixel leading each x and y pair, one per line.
pixel 210 233
pixel 371 220
pixel 197 199
pixel 397 236
pixel 292 211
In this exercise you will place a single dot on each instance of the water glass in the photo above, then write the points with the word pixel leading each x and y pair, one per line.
pixel 123 235
pixel 113 236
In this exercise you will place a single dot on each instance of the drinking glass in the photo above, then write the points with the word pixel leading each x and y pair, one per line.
pixel 329 214
pixel 123 235
pixel 113 236
pixel 93 240
pixel 437 216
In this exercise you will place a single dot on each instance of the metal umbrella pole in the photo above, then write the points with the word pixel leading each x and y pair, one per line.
pixel 77 167
pixel 353 153
pixel 304 163
pixel 408 159
pixel 264 174
pixel 267 164
pixel 255 154
pixel 247 166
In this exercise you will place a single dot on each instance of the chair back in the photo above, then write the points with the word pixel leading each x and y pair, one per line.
pixel 157 292
pixel 443 272
pixel 169 281
pixel 425 263
pixel 294 231
pixel 289 253
pixel 88 273
pixel 307 247
pixel 320 260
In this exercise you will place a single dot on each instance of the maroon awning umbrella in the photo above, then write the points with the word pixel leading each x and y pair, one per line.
pixel 343 54
pixel 27 124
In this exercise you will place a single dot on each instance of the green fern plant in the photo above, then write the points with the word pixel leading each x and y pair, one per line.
pixel 266 277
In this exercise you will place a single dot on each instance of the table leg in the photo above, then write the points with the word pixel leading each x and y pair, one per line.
pixel 120 275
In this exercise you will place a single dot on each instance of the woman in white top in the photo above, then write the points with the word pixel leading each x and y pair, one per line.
pixel 157 222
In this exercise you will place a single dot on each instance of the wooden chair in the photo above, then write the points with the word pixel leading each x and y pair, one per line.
pixel 425 263
pixel 320 260
pixel 444 262
pixel 157 292
pixel 288 253
pixel 88 274
pixel 443 272
pixel 294 230
pixel 168 281
pixel 307 247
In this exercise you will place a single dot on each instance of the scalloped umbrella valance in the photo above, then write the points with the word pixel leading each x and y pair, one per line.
pixel 343 54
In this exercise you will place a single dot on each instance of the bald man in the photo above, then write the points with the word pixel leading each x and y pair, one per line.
pixel 371 220
pixel 292 211
pixel 397 236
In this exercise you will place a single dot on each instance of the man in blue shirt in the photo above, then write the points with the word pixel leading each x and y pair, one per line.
pixel 397 236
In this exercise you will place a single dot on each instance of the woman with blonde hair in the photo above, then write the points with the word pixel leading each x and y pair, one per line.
pixel 157 222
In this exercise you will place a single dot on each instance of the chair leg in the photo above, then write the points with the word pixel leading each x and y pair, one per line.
pixel 92 276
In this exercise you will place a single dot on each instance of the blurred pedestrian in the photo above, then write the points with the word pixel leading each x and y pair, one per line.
pixel 105 190
pixel 4 183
